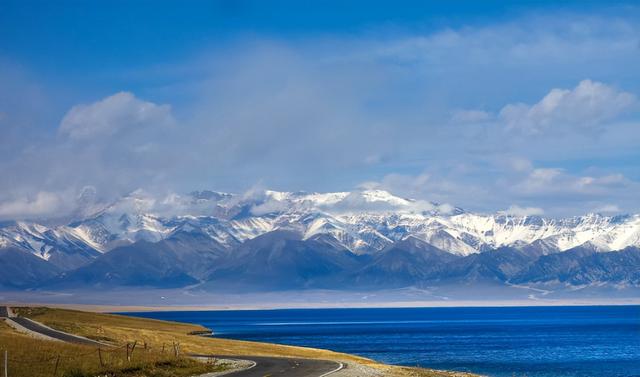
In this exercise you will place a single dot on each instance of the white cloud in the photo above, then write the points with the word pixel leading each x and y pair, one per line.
pixel 445 208
pixel 42 204
pixel 112 114
pixel 608 208
pixel 516 210
pixel 326 113
pixel 587 106
pixel 408 185
pixel 556 181
pixel 428 193
pixel 520 164
pixel 541 179
pixel 471 116
pixel 269 206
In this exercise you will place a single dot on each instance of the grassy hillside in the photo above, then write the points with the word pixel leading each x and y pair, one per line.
pixel 29 357
pixel 119 330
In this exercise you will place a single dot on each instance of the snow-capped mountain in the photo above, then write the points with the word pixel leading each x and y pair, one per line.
pixel 362 222
pixel 64 246
pixel 271 240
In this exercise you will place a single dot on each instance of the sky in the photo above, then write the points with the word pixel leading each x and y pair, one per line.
pixel 525 107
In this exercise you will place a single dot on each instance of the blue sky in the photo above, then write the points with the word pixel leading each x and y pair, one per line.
pixel 529 107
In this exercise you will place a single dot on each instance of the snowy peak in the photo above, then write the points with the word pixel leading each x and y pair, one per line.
pixel 363 222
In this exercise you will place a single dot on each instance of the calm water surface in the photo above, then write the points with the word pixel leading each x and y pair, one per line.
pixel 602 341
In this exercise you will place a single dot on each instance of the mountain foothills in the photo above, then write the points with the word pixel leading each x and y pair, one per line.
pixel 273 241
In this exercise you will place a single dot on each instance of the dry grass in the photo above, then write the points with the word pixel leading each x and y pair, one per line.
pixel 29 357
pixel 122 329
pixel 119 330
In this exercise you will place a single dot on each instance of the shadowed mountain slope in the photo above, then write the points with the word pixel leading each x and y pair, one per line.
pixel 19 268
pixel 282 260
pixel 405 263
pixel 582 266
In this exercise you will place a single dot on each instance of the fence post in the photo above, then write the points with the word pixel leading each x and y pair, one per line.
pixel 133 348
pixel 6 363
pixel 100 357
pixel 55 370
pixel 128 358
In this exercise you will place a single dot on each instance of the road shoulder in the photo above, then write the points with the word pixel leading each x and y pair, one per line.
pixel 19 328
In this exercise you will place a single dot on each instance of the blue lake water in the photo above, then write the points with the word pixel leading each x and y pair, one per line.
pixel 598 341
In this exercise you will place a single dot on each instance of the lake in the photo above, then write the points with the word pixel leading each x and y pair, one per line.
pixel 598 341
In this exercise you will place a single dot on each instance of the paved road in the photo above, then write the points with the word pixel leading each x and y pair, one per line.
pixel 65 337
pixel 277 366
pixel 264 366
pixel 44 330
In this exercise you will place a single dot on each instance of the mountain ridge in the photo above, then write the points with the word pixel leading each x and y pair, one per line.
pixel 363 221
pixel 287 240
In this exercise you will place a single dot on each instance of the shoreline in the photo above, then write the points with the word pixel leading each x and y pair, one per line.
pixel 122 329
pixel 115 308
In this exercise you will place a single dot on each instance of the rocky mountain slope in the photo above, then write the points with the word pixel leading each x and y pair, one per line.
pixel 282 240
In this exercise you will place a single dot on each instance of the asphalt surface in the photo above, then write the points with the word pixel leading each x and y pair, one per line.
pixel 278 366
pixel 264 366
pixel 63 336
pixel 44 330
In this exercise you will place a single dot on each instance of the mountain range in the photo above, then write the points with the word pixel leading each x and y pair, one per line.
pixel 273 241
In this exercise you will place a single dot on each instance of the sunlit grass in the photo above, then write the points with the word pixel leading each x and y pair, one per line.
pixel 30 357
pixel 158 335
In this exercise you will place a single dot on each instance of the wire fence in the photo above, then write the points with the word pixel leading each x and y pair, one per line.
pixel 52 363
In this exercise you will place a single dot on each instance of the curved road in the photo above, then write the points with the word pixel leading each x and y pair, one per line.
pixel 264 366
pixel 63 336
pixel 280 366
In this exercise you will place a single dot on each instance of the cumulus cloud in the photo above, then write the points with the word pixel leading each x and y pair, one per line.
pixel 589 105
pixel 325 113
pixel 111 115
pixel 516 210
pixel 549 191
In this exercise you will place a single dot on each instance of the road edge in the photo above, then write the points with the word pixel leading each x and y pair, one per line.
pixel 339 368
pixel 226 372
pixel 34 334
